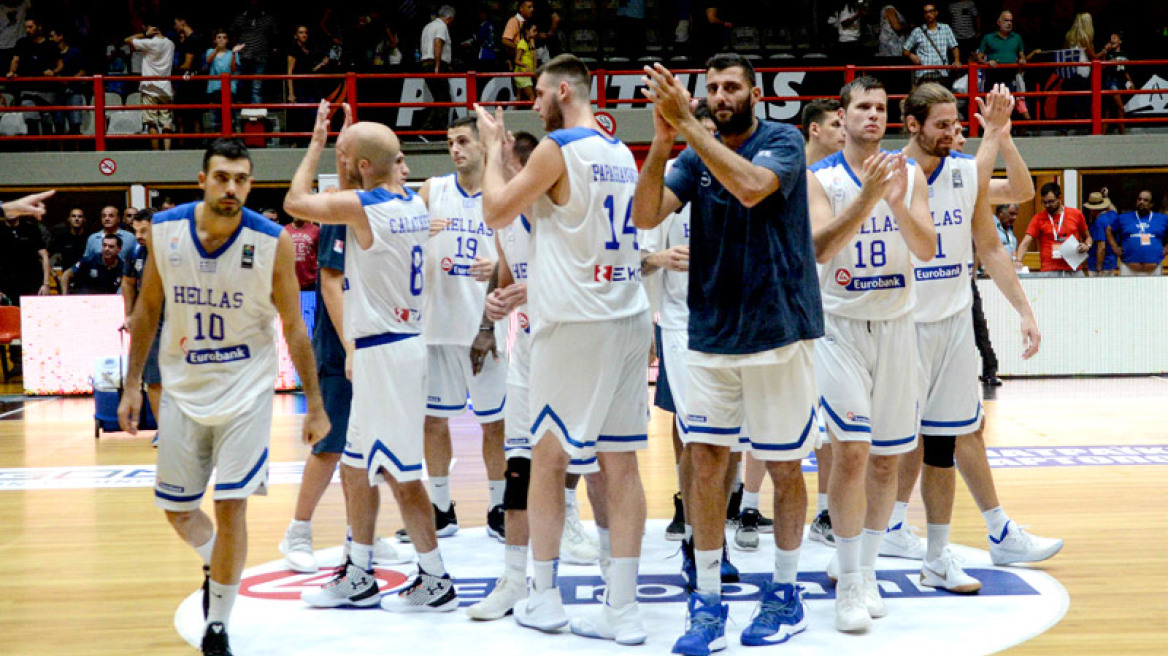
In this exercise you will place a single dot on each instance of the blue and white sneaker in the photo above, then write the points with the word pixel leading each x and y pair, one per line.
pixel 780 615
pixel 689 569
pixel 705 630
pixel 729 571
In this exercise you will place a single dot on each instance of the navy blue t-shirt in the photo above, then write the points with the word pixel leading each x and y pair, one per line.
pixel 1099 234
pixel 136 265
pixel 326 344
pixel 753 285
pixel 92 276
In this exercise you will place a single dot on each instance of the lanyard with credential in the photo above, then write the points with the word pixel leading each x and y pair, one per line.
pixel 1143 226
pixel 1062 215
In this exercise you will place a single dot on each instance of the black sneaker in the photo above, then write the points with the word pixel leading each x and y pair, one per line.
pixel 215 640
pixel 821 529
pixel 445 524
pixel 496 524
pixel 746 535
pixel 732 508
pixel 676 529
pixel 206 590
pixel 766 525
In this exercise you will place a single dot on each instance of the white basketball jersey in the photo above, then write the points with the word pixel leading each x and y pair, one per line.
pixel 453 303
pixel 943 288
pixel 218 350
pixel 674 310
pixel 383 283
pixel 586 265
pixel 870 278
pixel 515 239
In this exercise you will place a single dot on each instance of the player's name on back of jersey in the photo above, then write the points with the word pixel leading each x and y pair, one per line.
pixel 402 224
pixel 609 173
pixel 190 295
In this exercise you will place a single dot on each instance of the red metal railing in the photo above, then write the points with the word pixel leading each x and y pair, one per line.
pixel 226 106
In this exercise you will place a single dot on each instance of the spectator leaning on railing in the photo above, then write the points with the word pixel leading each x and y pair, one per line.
pixel 189 62
pixel 35 56
pixel 932 44
pixel 256 29
pixel 157 60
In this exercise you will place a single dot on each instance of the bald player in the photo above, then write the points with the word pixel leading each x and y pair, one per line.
pixel 387 227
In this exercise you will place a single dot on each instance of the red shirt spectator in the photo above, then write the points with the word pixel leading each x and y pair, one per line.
pixel 305 236
pixel 1051 227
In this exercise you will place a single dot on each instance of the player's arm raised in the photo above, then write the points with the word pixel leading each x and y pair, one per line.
pixel 995 120
pixel 653 201
pixel 286 297
pixel 503 199
pixel 831 232
pixel 143 324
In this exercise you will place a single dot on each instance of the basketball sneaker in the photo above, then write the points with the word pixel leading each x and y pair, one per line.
pixel 350 586
pixel 946 573
pixel 384 553
pixel 780 616
pixel 746 535
pixel 689 569
pixel 297 548
pixel 1015 545
pixel 705 626
pixel 622 625
pixel 729 571
pixel 820 530
pixel 872 597
pixel 577 545
pixel 496 526
pixel 427 594
pixel 542 610
pixel 676 529
pixel 902 541
pixel 851 612
pixel 508 591
pixel 445 524
pixel 215 640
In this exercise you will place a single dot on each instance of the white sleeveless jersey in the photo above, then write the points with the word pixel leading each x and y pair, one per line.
pixel 383 284
pixel 453 303
pixel 586 265
pixel 218 350
pixel 515 239
pixel 872 277
pixel 673 231
pixel 943 288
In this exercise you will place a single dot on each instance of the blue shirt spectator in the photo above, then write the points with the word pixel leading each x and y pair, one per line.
pixel 1104 221
pixel 1141 236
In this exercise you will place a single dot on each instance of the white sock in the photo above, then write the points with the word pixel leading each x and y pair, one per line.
pixel 222 598
pixel 820 502
pixel 440 492
pixel 899 514
pixel 786 565
pixel 303 526
pixel 347 548
pixel 622 581
pixel 570 497
pixel 431 562
pixel 749 500
pixel 544 574
pixel 495 489
pixel 205 550
pixel 870 546
pixel 938 539
pixel 709 566
pixel 849 553
pixel 361 555
pixel 515 559
pixel 996 520
pixel 605 540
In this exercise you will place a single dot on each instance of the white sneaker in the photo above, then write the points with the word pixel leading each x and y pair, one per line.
pixel 945 572
pixel 297 549
pixel 352 586
pixel 427 594
pixel 384 553
pixel 620 624
pixel 577 545
pixel 508 592
pixel 1015 545
pixel 872 599
pixel 902 541
pixel 543 610
pixel 851 613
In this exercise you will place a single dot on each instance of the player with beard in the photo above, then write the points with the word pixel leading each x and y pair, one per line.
pixel 869 212
pixel 755 308
pixel 225 274
pixel 585 296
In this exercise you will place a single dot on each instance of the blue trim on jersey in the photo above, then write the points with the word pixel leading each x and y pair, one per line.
pixel 461 190
pixel 384 338
pixel 379 195
pixel 855 428
pixel 261 223
pixel 250 475
pixel 526 224
pixel 568 135
pixel 548 413
pixel 953 424
pixel 251 220
pixel 378 446
pixel 490 412
pixel 788 447
pixel 176 213
pixel 957 155
pixel 177 498
pixel 937 171
pixel 903 440
pixel 623 438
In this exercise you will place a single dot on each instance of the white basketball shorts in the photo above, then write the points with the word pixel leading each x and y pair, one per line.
pixel 451 381
pixel 675 357
pixel 949 376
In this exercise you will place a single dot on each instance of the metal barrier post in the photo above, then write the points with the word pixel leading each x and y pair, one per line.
pixel 98 113
pixel 601 89
pixel 226 128
pixel 351 92
pixel 472 91
pixel 849 73
pixel 971 95
pixel 1096 97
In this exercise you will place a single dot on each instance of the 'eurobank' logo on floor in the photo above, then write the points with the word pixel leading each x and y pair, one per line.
pixel 1014 605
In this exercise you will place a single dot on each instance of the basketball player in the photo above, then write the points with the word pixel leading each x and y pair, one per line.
pixel 386 227
pixel 225 274
pixel 585 296
pixel 869 211
pixel 754 309
pixel 952 411
pixel 823 130
pixel 459 261
pixel 131 285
